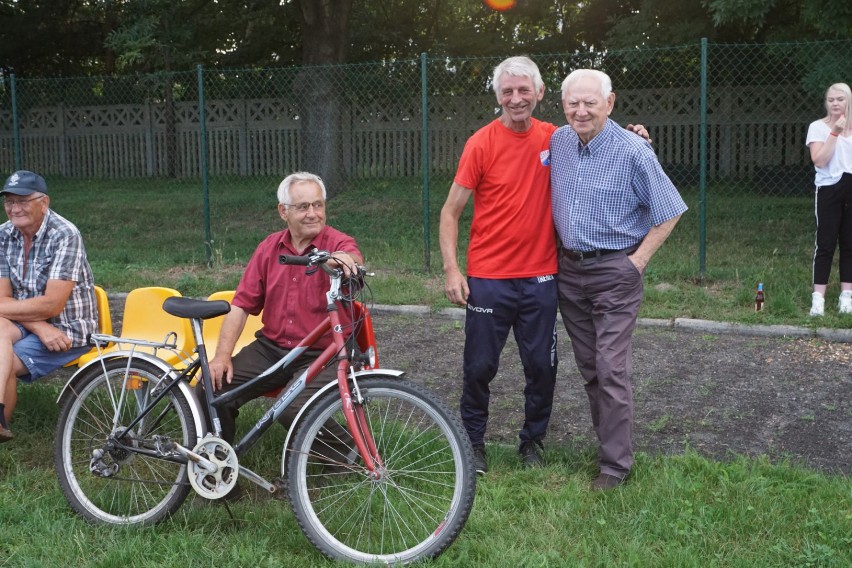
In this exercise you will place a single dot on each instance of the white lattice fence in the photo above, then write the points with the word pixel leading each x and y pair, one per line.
pixel 749 129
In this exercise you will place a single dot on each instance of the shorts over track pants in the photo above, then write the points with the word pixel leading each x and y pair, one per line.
pixel 529 307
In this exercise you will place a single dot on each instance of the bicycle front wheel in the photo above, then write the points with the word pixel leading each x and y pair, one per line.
pixel 420 498
pixel 100 474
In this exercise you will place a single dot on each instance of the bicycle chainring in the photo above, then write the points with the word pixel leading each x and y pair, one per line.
pixel 214 485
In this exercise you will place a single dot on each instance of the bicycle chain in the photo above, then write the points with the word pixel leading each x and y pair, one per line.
pixel 151 481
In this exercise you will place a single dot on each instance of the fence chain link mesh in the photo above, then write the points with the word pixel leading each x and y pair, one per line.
pixel 361 126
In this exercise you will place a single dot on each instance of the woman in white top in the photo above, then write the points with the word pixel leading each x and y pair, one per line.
pixel 830 143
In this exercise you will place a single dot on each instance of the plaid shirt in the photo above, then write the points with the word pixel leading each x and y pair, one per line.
pixel 57 254
pixel 608 193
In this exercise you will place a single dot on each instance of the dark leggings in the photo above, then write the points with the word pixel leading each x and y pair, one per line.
pixel 833 210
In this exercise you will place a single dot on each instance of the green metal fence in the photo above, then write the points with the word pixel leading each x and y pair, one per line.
pixel 727 121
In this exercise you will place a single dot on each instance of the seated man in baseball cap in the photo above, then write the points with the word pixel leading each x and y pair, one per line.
pixel 47 298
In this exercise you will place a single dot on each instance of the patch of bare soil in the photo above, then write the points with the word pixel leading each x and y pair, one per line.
pixel 721 395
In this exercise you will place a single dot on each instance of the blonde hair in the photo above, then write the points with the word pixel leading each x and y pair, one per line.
pixel 847 92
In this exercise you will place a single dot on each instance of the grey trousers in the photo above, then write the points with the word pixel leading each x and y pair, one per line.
pixel 599 299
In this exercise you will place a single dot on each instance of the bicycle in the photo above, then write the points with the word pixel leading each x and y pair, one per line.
pixel 134 437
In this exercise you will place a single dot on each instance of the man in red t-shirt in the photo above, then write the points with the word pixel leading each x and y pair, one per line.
pixel 511 259
pixel 293 302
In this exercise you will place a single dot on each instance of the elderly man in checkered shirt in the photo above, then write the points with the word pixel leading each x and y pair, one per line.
pixel 613 206
pixel 47 299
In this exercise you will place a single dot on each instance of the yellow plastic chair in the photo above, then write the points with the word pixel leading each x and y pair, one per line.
pixel 213 326
pixel 104 324
pixel 144 318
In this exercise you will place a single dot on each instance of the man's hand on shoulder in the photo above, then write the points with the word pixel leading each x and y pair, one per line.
pixel 639 130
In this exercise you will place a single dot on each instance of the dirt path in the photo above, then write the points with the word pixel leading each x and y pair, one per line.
pixel 718 394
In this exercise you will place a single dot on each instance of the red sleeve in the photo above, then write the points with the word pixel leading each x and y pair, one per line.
pixel 251 291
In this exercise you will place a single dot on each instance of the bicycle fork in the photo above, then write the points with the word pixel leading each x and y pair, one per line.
pixel 356 419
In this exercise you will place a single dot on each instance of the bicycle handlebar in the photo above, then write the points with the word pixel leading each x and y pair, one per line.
pixel 290 259
pixel 319 258
pixel 315 257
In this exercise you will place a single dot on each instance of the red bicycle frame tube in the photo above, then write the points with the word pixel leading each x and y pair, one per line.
pixel 355 419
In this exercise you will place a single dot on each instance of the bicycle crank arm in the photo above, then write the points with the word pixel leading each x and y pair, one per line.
pixel 257 480
pixel 208 465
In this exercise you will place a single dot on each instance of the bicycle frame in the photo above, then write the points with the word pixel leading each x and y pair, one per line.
pixel 198 310
pixel 377 470
pixel 287 396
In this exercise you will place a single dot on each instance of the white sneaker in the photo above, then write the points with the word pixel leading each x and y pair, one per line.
pixel 818 304
pixel 845 302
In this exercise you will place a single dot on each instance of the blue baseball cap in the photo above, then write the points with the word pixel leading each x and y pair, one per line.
pixel 24 182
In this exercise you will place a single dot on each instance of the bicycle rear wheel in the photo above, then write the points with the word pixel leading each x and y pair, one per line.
pixel 103 481
pixel 418 504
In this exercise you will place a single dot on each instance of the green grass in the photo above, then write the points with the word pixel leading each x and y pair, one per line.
pixel 675 511
pixel 152 232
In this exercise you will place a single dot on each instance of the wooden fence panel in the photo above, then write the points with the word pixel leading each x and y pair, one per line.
pixel 41 152
pixel 271 152
pixel 749 130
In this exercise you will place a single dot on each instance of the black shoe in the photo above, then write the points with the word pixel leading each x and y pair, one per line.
pixel 605 482
pixel 480 462
pixel 530 454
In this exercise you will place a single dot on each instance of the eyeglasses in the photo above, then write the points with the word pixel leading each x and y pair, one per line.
pixel 303 207
pixel 10 203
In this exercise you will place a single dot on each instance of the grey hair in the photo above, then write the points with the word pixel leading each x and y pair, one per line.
pixel 517 67
pixel 284 196
pixel 600 76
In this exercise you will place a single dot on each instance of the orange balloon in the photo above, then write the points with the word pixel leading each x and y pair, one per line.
pixel 500 5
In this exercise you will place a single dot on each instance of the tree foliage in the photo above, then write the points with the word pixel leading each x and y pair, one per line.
pixel 105 36
pixel 660 23
pixel 633 23
pixel 402 29
pixel 52 37
pixel 168 35
pixel 765 20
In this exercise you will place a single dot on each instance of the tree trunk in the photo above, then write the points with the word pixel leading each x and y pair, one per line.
pixel 325 33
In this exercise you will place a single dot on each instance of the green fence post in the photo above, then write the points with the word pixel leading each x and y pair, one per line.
pixel 16 132
pixel 205 177
pixel 702 172
pixel 424 157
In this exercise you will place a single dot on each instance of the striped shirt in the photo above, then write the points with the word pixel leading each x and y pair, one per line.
pixel 608 193
pixel 57 254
